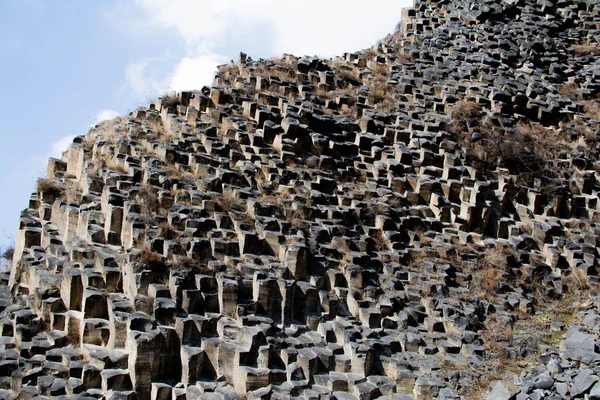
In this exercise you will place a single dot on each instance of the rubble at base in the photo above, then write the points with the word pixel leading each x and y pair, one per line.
pixel 412 221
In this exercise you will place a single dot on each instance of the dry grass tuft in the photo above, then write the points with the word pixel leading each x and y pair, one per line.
pixel 161 134
pixel 424 241
pixel 586 49
pixel 489 269
pixel 166 231
pixel 379 241
pixel 259 177
pixel 406 57
pixel 526 153
pixel 88 141
pixel 153 261
pixel 169 100
pixel 8 253
pixel 195 265
pixel 592 108
pixel 370 53
pixel 348 75
pixel 296 218
pixel 148 198
pixel 487 279
pixel 156 126
pixel 464 110
pixel 230 70
pixel 116 166
pixel 322 92
pixel 381 70
pixel 50 187
pixel 228 202
pixel 497 335
pixel 571 90
pixel 576 281
pixel 378 92
pixel 544 145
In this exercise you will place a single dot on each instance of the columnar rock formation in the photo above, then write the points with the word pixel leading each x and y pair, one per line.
pixel 412 221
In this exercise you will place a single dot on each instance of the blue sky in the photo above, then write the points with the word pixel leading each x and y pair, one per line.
pixel 66 64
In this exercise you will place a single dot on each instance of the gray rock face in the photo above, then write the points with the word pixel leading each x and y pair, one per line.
pixel 502 391
pixel 595 391
pixel 582 382
pixel 543 381
pixel 404 222
pixel 580 347
pixel 554 367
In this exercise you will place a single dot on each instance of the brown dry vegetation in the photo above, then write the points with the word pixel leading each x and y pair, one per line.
pixel 546 144
pixel 592 108
pixel 571 90
pixel 8 253
pixel 377 93
pixel 296 218
pixel 228 202
pixel 348 75
pixel 504 335
pixel 406 57
pixel 488 271
pixel 169 100
pixel 325 93
pixel 148 198
pixel 586 49
pixel 116 166
pixel 106 129
pixel 526 152
pixel 576 280
pixel 73 197
pixel 88 141
pixel 499 334
pixel 195 265
pixel 153 261
pixel 229 69
pixel 381 70
pixel 379 241
pixel 162 135
pixel 370 53
pixel 49 186
pixel 464 110
pixel 496 335
pixel 166 231
pixel 280 70
pixel 94 170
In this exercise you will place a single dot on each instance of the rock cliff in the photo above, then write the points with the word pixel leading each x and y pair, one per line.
pixel 412 221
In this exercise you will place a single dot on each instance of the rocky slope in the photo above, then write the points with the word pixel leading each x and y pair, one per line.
pixel 415 220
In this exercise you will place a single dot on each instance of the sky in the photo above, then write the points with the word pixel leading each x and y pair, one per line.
pixel 67 64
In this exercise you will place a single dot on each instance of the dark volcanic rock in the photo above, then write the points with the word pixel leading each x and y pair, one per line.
pixel 412 221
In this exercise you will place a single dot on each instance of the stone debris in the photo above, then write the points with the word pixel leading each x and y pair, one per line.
pixel 413 221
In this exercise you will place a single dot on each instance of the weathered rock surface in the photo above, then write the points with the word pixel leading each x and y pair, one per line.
pixel 412 221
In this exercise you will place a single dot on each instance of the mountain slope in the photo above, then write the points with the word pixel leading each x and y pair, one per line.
pixel 415 219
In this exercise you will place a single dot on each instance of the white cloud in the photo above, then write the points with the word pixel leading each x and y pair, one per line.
pixel 59 146
pixel 139 80
pixel 106 115
pixel 215 30
pixel 195 72
pixel 201 24
pixel 332 27
pixel 191 72
pixel 304 27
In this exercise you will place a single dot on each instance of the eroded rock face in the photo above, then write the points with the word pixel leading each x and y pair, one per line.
pixel 409 221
